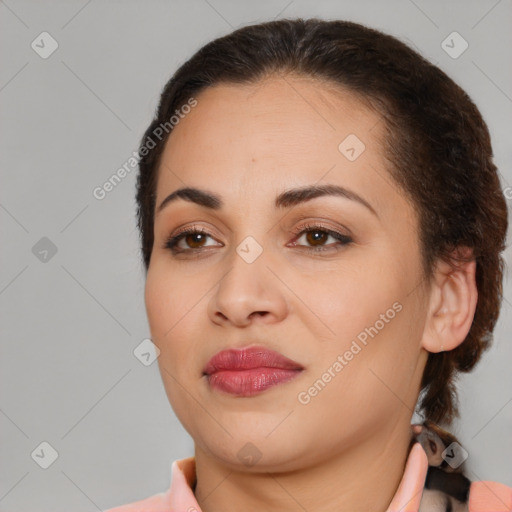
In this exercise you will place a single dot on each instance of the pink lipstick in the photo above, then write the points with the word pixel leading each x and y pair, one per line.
pixel 247 372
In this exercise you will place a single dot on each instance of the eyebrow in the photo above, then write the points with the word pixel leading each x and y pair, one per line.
pixel 286 199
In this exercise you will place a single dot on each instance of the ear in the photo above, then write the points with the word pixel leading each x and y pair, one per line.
pixel 452 304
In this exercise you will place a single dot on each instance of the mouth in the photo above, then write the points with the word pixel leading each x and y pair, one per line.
pixel 247 372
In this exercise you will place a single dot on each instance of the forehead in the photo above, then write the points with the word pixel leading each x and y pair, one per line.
pixel 290 113
pixel 281 132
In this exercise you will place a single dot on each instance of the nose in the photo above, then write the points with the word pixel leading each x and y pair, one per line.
pixel 248 292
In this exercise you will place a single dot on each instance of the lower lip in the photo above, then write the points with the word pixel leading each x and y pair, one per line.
pixel 250 382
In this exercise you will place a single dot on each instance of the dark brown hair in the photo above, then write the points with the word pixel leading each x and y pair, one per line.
pixel 437 145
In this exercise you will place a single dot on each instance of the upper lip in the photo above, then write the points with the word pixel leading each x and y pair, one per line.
pixel 247 358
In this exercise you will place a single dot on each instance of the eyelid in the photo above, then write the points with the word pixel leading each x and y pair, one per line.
pixel 319 223
pixel 324 223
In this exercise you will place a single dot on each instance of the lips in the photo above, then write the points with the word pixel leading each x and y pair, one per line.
pixel 248 359
pixel 248 372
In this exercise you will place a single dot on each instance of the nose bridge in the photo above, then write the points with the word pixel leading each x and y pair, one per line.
pixel 248 268
pixel 247 286
pixel 250 250
pixel 250 232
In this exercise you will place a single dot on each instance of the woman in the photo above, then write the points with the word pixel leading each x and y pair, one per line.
pixel 321 226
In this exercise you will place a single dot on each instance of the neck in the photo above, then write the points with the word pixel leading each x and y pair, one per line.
pixel 363 478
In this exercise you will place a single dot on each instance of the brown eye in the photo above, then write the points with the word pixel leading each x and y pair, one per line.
pixel 433 446
pixel 195 240
pixel 316 236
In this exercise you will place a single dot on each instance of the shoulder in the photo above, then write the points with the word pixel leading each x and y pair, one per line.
pixel 485 496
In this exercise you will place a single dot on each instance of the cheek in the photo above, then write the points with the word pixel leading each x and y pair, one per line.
pixel 339 304
pixel 167 306
pixel 174 304
pixel 372 378
pixel 370 326
pixel 168 300
pixel 170 311
pixel 158 304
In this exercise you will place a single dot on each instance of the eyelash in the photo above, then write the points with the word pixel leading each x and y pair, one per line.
pixel 172 242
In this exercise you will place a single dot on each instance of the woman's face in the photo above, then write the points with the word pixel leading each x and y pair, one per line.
pixel 351 314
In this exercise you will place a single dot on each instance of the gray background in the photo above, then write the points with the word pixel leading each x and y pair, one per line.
pixel 70 323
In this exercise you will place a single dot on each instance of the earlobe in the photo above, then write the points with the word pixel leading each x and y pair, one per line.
pixel 452 305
